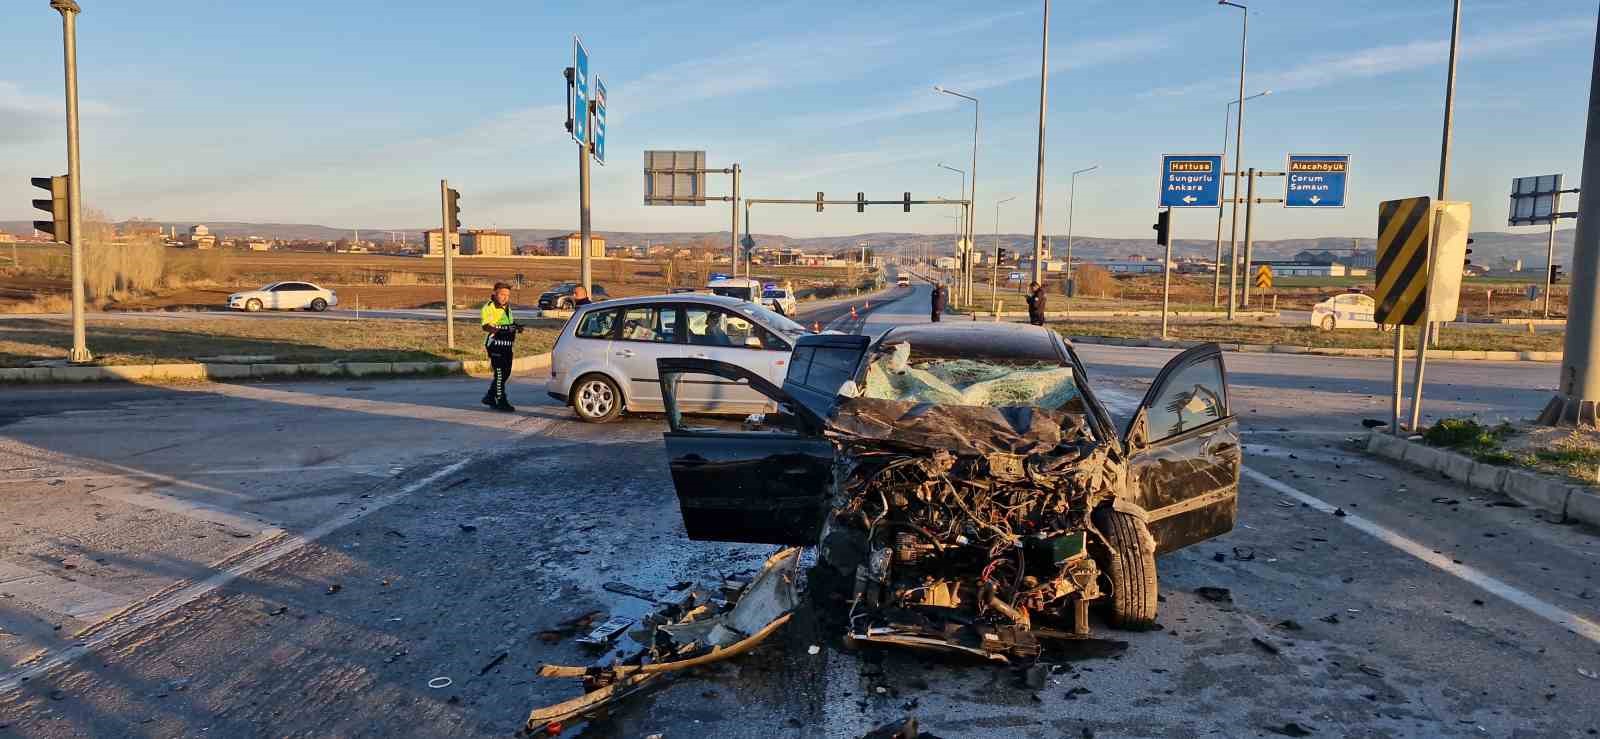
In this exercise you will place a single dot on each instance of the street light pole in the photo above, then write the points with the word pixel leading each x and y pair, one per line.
pixel 1216 280
pixel 1038 172
pixel 1072 205
pixel 972 198
pixel 1426 335
pixel 69 41
pixel 1238 150
pixel 994 299
pixel 961 223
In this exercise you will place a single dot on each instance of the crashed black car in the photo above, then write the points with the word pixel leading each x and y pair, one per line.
pixel 560 296
pixel 963 484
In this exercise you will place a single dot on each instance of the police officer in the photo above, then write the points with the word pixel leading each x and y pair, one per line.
pixel 938 303
pixel 1036 301
pixel 500 335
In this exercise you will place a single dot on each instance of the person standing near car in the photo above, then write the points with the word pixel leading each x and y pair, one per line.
pixel 938 302
pixel 500 329
pixel 580 297
pixel 1036 304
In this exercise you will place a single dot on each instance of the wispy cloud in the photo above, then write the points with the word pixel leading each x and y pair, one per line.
pixel 1378 61
pixel 25 117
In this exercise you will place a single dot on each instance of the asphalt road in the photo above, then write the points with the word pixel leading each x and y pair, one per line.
pixel 422 537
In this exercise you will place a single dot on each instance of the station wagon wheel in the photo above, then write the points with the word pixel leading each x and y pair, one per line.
pixel 596 399
pixel 1329 323
pixel 319 305
pixel 1131 566
pixel 252 305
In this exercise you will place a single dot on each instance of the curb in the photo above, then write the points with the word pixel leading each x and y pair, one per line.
pixel 1572 502
pixel 1126 314
pixel 203 372
pixel 1463 354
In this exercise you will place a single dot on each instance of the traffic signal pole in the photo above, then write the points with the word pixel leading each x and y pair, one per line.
pixel 585 262
pixel 445 232
pixel 69 39
pixel 1578 388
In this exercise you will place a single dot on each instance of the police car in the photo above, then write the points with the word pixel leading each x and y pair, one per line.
pixel 1350 310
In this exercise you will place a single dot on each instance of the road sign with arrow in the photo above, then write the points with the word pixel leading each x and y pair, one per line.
pixel 1316 180
pixel 1191 181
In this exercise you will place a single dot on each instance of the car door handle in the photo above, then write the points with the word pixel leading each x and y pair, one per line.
pixel 701 355
pixel 625 353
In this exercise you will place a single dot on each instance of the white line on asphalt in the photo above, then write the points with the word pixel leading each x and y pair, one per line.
pixel 240 471
pixel 271 550
pixel 1561 617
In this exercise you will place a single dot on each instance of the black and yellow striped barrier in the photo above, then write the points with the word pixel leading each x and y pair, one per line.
pixel 1404 228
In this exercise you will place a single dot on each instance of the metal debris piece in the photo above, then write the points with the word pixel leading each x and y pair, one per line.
pixel 1215 595
pixel 626 589
pixel 607 631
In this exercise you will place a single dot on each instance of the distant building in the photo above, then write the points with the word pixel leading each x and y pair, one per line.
pixel 570 245
pixel 200 237
pixel 435 240
pixel 1508 264
pixel 6 238
pixel 1136 264
pixel 484 243
pixel 1305 269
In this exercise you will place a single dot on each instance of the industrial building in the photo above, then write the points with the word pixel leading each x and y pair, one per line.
pixel 484 243
pixel 435 241
pixel 569 245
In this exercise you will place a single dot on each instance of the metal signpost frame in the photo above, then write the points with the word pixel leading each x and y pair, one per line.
pixel 1190 181
pixel 683 180
pixel 1316 180
pixel 1242 287
pixel 1534 201
pixel 819 201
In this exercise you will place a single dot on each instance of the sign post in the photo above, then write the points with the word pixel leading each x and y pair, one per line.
pixel 1316 180
pixel 1536 200
pixel 582 116
pixel 679 178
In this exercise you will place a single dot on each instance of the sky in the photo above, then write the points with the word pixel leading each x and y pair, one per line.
pixel 348 114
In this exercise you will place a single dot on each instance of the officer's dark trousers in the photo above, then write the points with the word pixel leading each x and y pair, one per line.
pixel 500 362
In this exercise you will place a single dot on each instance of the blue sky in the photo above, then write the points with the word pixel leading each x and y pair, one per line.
pixel 348 113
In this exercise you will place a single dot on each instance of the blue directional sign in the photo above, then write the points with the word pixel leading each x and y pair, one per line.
pixel 1191 181
pixel 599 121
pixel 580 92
pixel 1316 180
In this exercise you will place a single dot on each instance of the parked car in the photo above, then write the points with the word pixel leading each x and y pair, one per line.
pixel 560 296
pixel 903 280
pixel 284 296
pixel 604 361
pixel 780 299
pixel 1349 310
pixel 963 480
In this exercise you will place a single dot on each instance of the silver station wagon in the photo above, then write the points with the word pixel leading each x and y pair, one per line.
pixel 604 362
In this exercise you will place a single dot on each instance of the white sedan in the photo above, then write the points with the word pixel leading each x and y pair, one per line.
pixel 284 296
pixel 1350 310
pixel 780 299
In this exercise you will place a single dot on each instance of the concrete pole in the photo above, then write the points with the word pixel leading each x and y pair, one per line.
pixel 1578 386
pixel 1249 236
pixel 1038 173
pixel 1444 192
pixel 69 41
pixel 1238 152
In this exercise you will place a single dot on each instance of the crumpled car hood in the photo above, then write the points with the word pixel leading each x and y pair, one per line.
pixel 963 430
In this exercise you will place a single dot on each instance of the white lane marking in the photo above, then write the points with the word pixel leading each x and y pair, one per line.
pixel 52 593
pixel 243 471
pixel 1561 617
pixel 188 509
pixel 184 593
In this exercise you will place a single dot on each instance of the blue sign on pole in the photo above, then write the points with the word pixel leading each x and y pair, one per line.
pixel 1316 180
pixel 580 92
pixel 1191 181
pixel 599 121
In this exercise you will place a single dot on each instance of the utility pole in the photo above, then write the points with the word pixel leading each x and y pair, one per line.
pixel 1249 241
pixel 1579 384
pixel 585 262
pixel 733 233
pixel 1038 176
pixel 1444 190
pixel 69 42
pixel 1238 152
pixel 446 230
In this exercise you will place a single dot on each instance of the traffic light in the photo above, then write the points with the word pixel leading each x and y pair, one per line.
pixel 1555 273
pixel 1000 255
pixel 453 203
pixel 861 202
pixel 1163 227
pixel 57 206
pixel 905 202
pixel 1467 260
pixel 819 202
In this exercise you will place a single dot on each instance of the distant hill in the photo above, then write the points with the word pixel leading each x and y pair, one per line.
pixel 1488 247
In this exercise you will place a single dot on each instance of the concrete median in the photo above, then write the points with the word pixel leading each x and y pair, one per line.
pixel 209 371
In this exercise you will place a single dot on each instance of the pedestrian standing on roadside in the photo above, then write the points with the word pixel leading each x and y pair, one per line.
pixel 580 297
pixel 500 330
pixel 938 302
pixel 1036 304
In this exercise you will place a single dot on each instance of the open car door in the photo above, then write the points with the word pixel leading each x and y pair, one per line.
pixel 764 486
pixel 1184 453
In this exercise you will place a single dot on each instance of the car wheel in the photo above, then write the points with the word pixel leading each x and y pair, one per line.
pixel 252 305
pixel 563 304
pixel 1131 566
pixel 1329 323
pixel 319 305
pixel 596 399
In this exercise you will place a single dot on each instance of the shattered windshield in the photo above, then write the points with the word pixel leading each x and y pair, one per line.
pixel 896 373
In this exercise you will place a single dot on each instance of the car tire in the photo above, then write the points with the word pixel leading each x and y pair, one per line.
pixel 596 399
pixel 563 304
pixel 319 305
pixel 252 305
pixel 1131 566
pixel 1329 323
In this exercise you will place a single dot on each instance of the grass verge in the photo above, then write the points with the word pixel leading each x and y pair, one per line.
pixel 287 340
pixel 1570 453
pixel 1450 338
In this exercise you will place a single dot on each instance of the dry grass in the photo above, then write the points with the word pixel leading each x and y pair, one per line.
pixel 169 340
pixel 1450 338
pixel 47 303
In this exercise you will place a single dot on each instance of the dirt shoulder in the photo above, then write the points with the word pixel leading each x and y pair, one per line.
pixel 1450 337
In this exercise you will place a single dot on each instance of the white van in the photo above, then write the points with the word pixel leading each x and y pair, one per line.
pixel 742 288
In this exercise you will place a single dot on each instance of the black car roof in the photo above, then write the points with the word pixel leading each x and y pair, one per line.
pixel 978 340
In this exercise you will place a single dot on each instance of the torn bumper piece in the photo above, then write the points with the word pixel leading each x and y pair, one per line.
pixel 678 637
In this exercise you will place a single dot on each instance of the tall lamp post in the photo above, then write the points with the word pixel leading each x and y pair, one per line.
pixel 1238 150
pixel 69 42
pixel 961 228
pixel 1072 204
pixel 972 199
pixel 1038 172
pixel 1227 118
